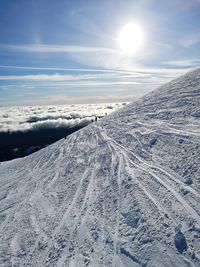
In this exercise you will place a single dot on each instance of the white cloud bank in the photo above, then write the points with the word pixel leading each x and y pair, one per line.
pixel 48 117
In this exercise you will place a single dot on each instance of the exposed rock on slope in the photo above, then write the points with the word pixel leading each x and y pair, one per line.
pixel 124 191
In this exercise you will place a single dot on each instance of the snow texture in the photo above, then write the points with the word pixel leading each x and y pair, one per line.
pixel 123 191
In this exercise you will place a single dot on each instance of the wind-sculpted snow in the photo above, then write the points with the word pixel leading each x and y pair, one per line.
pixel 123 191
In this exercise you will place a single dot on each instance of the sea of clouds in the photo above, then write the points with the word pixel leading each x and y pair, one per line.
pixel 13 119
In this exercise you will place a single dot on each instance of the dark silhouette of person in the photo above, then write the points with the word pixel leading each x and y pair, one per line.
pixel 180 241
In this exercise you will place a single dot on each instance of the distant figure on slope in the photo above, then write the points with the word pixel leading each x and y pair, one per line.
pixel 179 240
pixel 95 118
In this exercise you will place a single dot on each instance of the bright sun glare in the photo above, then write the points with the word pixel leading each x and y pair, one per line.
pixel 130 38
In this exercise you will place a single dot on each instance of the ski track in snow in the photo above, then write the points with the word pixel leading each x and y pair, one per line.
pixel 114 193
pixel 146 169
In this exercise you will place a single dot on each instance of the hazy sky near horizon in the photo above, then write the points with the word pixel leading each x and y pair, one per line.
pixel 57 52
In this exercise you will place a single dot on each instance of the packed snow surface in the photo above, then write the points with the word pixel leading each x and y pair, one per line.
pixel 123 191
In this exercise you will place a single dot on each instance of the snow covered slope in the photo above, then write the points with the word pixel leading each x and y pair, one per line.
pixel 124 191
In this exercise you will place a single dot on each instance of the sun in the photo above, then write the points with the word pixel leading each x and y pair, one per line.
pixel 130 38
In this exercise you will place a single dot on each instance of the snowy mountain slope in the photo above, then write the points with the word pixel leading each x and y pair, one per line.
pixel 124 191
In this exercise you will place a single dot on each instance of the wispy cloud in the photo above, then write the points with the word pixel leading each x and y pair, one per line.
pixel 69 81
pixel 46 77
pixel 99 59
pixel 92 80
pixel 135 71
pixel 87 85
pixel 110 79
pixel 96 57
pixel 44 48
pixel 183 63
pixel 70 69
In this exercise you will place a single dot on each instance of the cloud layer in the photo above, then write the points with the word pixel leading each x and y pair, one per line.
pixel 22 119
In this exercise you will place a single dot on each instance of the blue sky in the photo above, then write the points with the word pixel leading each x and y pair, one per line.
pixel 57 52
